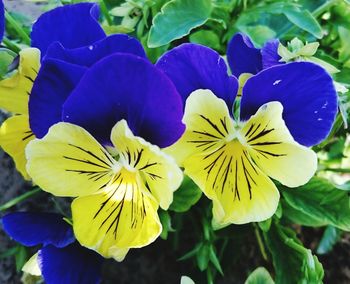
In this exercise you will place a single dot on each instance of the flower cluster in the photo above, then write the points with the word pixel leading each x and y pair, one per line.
pixel 95 120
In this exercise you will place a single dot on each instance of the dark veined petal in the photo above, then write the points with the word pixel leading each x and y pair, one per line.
pixel 89 55
pixel 269 52
pixel 31 229
pixel 83 30
pixel 72 264
pixel 2 20
pixel 123 86
pixel 62 69
pixel 192 67
pixel 242 56
pixel 306 92
pixel 55 81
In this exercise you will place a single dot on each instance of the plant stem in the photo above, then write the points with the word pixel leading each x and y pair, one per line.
pixel 19 199
pixel 344 171
pixel 105 12
pixel 12 22
pixel 260 243
pixel 10 45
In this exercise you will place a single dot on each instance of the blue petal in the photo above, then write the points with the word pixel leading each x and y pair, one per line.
pixel 70 265
pixel 192 67
pixel 2 20
pixel 270 56
pixel 60 72
pixel 83 27
pixel 306 92
pixel 55 81
pixel 123 86
pixel 88 55
pixel 242 56
pixel 31 229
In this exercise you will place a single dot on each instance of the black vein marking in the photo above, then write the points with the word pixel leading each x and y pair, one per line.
pixel 261 134
pixel 248 178
pixel 236 184
pixel 35 71
pixel 29 78
pixel 265 143
pixel 223 123
pixel 93 155
pixel 205 133
pixel 252 133
pixel 213 125
pixel 27 134
pixel 267 153
pixel 225 174
pixel 250 129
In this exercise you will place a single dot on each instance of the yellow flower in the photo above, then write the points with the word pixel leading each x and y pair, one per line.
pixel 118 191
pixel 15 132
pixel 232 161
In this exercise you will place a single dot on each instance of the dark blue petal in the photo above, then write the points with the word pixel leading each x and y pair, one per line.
pixel 60 72
pixel 242 56
pixel 2 20
pixel 70 265
pixel 71 25
pixel 306 92
pixel 32 229
pixel 54 83
pixel 192 67
pixel 123 86
pixel 89 55
pixel 269 52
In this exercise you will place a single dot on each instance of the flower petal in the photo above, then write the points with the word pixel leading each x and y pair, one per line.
pixel 15 135
pixel 68 161
pixel 274 150
pixel 123 216
pixel 32 266
pixel 269 52
pixel 129 88
pixel 159 171
pixel 241 192
pixel 56 80
pixel 192 67
pixel 84 28
pixel 306 92
pixel 242 56
pixel 72 264
pixel 31 229
pixel 2 20
pixel 14 91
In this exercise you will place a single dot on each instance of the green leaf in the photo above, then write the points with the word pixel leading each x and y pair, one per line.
pixel 318 203
pixel 259 276
pixel 304 20
pixel 207 38
pixel 265 225
pixel 330 237
pixel 21 257
pixel 293 263
pixel 176 19
pixel 165 219
pixel 344 50
pixel 203 256
pixel 186 196
pixel 215 260
pixel 260 34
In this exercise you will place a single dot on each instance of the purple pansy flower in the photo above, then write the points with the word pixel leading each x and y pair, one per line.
pixel 61 259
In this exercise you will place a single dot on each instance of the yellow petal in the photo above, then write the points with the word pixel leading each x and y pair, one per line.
pixel 68 161
pixel 274 150
pixel 14 91
pixel 15 134
pixel 159 171
pixel 240 191
pixel 207 121
pixel 32 266
pixel 124 216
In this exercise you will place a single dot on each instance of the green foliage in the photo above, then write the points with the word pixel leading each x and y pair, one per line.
pixel 259 276
pixel 176 19
pixel 330 237
pixel 317 203
pixel 293 263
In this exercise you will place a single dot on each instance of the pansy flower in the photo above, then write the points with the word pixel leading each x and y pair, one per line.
pixel 233 160
pixel 2 20
pixel 126 109
pixel 61 259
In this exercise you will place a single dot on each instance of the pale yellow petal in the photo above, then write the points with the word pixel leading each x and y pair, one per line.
pixel 32 266
pixel 208 123
pixel 124 216
pixel 274 150
pixel 15 90
pixel 68 161
pixel 15 134
pixel 158 171
pixel 240 191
